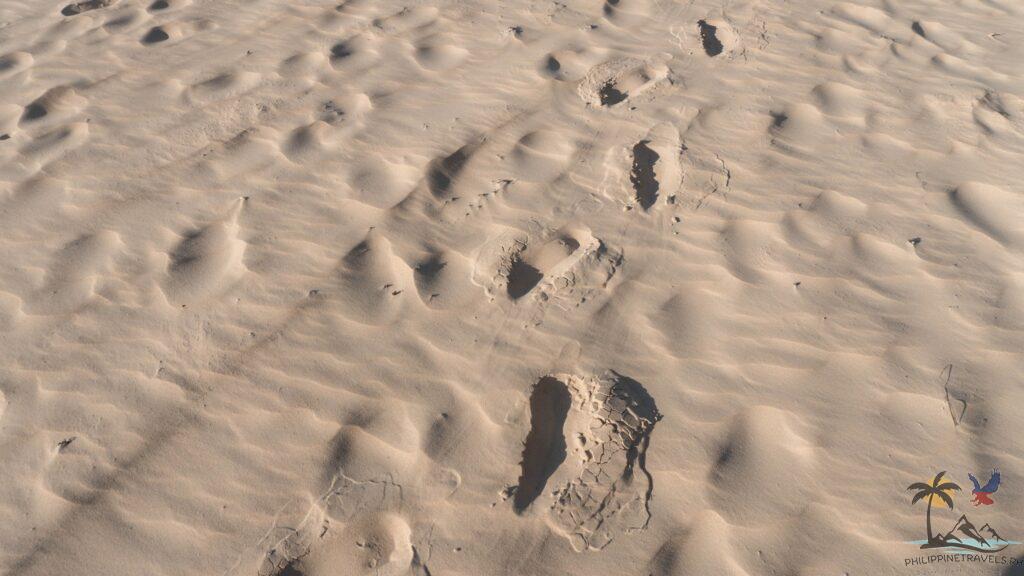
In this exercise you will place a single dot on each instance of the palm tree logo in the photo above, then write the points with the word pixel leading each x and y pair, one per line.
pixel 931 492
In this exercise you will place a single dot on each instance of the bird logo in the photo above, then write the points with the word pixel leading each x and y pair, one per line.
pixel 982 494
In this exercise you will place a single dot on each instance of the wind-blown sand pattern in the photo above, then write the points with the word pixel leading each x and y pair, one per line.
pixel 505 287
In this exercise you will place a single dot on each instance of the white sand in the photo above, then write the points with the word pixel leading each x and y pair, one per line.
pixel 286 273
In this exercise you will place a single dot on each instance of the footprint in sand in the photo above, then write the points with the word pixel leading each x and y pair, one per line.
pixel 565 263
pixel 602 426
pixel 78 7
pixel 718 37
pixel 655 172
pixel 376 546
pixel 355 528
pixel 613 82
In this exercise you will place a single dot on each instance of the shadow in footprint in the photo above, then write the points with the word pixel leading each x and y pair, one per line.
pixel 155 35
pixel 642 175
pixel 545 447
pixel 290 570
pixel 708 37
pixel 610 95
pixel 628 388
pixel 522 277
pixel 79 7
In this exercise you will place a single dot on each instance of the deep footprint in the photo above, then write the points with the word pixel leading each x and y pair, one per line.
pixel 79 7
pixel 522 278
pixel 612 421
pixel 708 37
pixel 545 445
pixel 610 95
pixel 642 175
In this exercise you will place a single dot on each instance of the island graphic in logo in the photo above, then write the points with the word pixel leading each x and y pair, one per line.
pixel 964 535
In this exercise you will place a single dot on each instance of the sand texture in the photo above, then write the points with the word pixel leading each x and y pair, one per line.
pixel 506 287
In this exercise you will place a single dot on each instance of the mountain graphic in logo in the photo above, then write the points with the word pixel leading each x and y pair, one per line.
pixel 991 533
pixel 963 534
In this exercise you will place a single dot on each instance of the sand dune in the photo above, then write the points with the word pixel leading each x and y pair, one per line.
pixel 475 287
